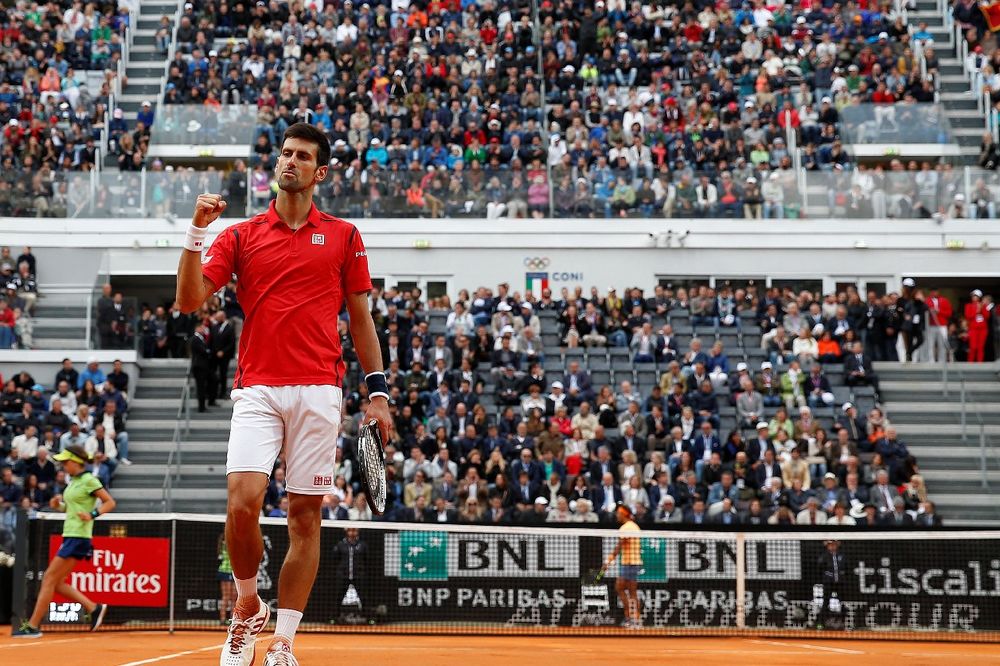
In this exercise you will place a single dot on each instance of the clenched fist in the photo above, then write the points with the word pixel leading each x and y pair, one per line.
pixel 207 209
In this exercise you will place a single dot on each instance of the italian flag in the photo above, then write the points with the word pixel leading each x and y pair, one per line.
pixel 536 282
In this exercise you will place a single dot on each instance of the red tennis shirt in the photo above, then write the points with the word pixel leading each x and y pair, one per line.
pixel 291 286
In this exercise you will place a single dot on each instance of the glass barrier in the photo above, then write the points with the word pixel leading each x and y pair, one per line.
pixel 174 192
pixel 894 123
pixel 862 193
pixel 190 124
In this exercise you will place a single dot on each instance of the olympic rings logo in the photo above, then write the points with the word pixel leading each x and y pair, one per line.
pixel 536 263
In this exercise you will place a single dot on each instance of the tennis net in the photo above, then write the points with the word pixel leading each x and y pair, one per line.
pixel 163 571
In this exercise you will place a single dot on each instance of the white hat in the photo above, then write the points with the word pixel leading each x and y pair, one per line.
pixel 826 100
pixel 147 103
pixel 883 35
pixel 541 500
pixel 751 179
pixel 761 425
pixel 470 52
pixel 527 306
pixel 213 53
pixel 339 142
pixel 977 293
pixel 504 306
pixel 829 475
pixel 376 141
pixel 91 359
pixel 740 367
pixel 766 365
pixel 557 385
pixel 569 69
pixel 847 406
pixel 801 19
pixel 398 72
pixel 507 330
pixel 909 282
pixel 959 197
pixel 612 101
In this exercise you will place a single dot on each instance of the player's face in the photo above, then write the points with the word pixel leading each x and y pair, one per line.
pixel 297 169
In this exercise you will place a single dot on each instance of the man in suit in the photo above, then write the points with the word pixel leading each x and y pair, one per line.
pixel 668 344
pixel 767 469
pixel 833 566
pixel 577 385
pixel 442 351
pixel 858 369
pixel 882 494
pixel 897 517
pixel 445 488
pixel 223 350
pixel 441 398
pixel 852 492
pixel 928 516
pixel 696 514
pixel 602 465
pixel 391 351
pixel 526 463
pixel 523 493
pixel 645 344
pixel 630 441
pixel 203 368
pixel 465 395
pixel 419 487
pixel 894 454
pixel 749 404
pixel 607 495
pixel 705 443
pixel 854 423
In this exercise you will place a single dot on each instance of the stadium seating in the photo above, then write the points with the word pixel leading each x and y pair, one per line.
pixel 460 110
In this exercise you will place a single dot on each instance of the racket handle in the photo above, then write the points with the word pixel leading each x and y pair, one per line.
pixel 600 575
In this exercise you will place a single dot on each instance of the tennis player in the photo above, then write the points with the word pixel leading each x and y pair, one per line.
pixel 79 501
pixel 626 584
pixel 296 268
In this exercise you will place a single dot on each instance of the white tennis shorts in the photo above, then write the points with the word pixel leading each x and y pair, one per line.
pixel 302 421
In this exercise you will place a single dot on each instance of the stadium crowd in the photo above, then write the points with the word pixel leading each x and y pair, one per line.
pixel 448 109
pixel 52 114
pixel 87 407
pixel 485 434
pixel 20 296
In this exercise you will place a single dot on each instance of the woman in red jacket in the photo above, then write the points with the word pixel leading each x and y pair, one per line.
pixel 978 318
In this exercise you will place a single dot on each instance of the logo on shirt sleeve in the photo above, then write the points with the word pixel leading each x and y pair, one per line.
pixel 319 239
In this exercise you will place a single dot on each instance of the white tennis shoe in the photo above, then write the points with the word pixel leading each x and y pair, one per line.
pixel 239 647
pixel 280 654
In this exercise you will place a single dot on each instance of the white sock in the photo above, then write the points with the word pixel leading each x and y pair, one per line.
pixel 246 587
pixel 287 624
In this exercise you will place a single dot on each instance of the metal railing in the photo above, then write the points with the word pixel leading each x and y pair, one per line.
pixel 182 430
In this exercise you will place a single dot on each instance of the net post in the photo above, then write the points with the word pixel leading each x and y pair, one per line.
pixel 173 570
pixel 741 580
pixel 19 611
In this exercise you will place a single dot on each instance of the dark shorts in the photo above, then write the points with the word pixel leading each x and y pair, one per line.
pixel 75 547
pixel 224 577
pixel 629 571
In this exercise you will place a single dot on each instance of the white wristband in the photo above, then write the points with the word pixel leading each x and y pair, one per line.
pixel 194 240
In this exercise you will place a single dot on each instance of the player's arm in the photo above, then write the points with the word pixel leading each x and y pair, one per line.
pixel 369 352
pixel 613 555
pixel 192 285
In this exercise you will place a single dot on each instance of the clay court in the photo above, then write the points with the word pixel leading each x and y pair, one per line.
pixel 201 649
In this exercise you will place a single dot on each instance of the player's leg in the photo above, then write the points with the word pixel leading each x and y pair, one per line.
pixel 254 443
pixel 632 590
pixel 57 570
pixel 298 573
pixel 66 590
pixel 312 420
pixel 622 593
pixel 243 538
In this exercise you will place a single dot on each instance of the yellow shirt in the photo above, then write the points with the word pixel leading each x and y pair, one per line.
pixel 630 553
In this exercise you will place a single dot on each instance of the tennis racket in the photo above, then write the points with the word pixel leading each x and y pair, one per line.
pixel 371 466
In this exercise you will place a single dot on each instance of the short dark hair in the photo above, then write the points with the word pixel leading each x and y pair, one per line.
pixel 312 135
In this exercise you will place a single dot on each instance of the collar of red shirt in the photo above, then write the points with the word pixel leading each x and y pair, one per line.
pixel 314 217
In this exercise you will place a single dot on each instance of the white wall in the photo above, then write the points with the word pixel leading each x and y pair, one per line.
pixel 589 252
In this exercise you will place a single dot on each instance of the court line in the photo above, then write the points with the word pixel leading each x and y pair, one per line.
pixel 634 649
pixel 167 657
pixel 40 642
pixel 810 646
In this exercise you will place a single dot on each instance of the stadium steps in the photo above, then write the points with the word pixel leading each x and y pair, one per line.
pixel 954 92
pixel 931 426
pixel 59 326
